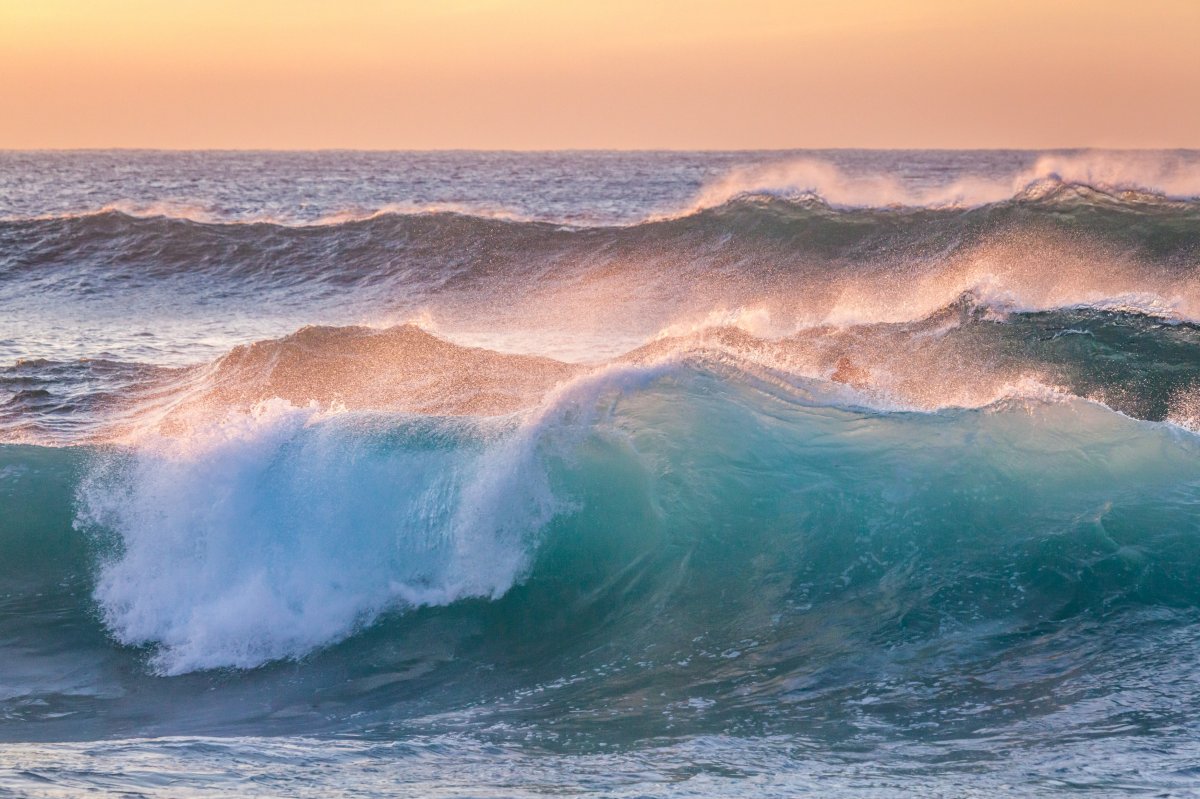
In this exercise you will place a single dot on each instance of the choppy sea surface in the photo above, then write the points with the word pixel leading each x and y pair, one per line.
pixel 629 474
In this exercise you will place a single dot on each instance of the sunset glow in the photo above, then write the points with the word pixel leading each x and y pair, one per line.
pixel 535 74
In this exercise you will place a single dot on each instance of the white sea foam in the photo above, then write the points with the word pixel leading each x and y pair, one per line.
pixel 287 528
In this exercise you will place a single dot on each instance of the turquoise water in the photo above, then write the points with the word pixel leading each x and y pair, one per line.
pixel 771 496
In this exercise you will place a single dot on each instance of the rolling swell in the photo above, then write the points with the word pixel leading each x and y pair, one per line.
pixel 654 542
pixel 382 245
pixel 785 264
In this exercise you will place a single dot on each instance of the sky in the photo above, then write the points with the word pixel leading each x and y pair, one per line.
pixel 621 74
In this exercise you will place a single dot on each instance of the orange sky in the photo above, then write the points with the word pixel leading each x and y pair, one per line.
pixel 546 74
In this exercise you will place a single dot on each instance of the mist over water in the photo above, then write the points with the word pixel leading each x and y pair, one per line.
pixel 636 473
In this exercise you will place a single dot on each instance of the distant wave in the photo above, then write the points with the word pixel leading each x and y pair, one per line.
pixel 1125 177
pixel 208 215
pixel 1148 175
pixel 1062 223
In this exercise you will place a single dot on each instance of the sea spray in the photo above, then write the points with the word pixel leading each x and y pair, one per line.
pixel 646 473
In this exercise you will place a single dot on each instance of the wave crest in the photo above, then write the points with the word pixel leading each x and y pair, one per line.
pixel 1148 175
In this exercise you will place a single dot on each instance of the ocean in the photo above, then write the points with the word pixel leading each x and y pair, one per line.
pixel 498 474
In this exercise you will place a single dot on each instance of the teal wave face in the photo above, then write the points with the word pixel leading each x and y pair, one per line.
pixel 1136 364
pixel 678 550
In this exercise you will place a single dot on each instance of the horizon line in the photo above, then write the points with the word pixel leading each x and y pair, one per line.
pixel 631 150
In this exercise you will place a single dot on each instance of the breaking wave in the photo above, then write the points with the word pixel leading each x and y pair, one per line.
pixel 820 461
